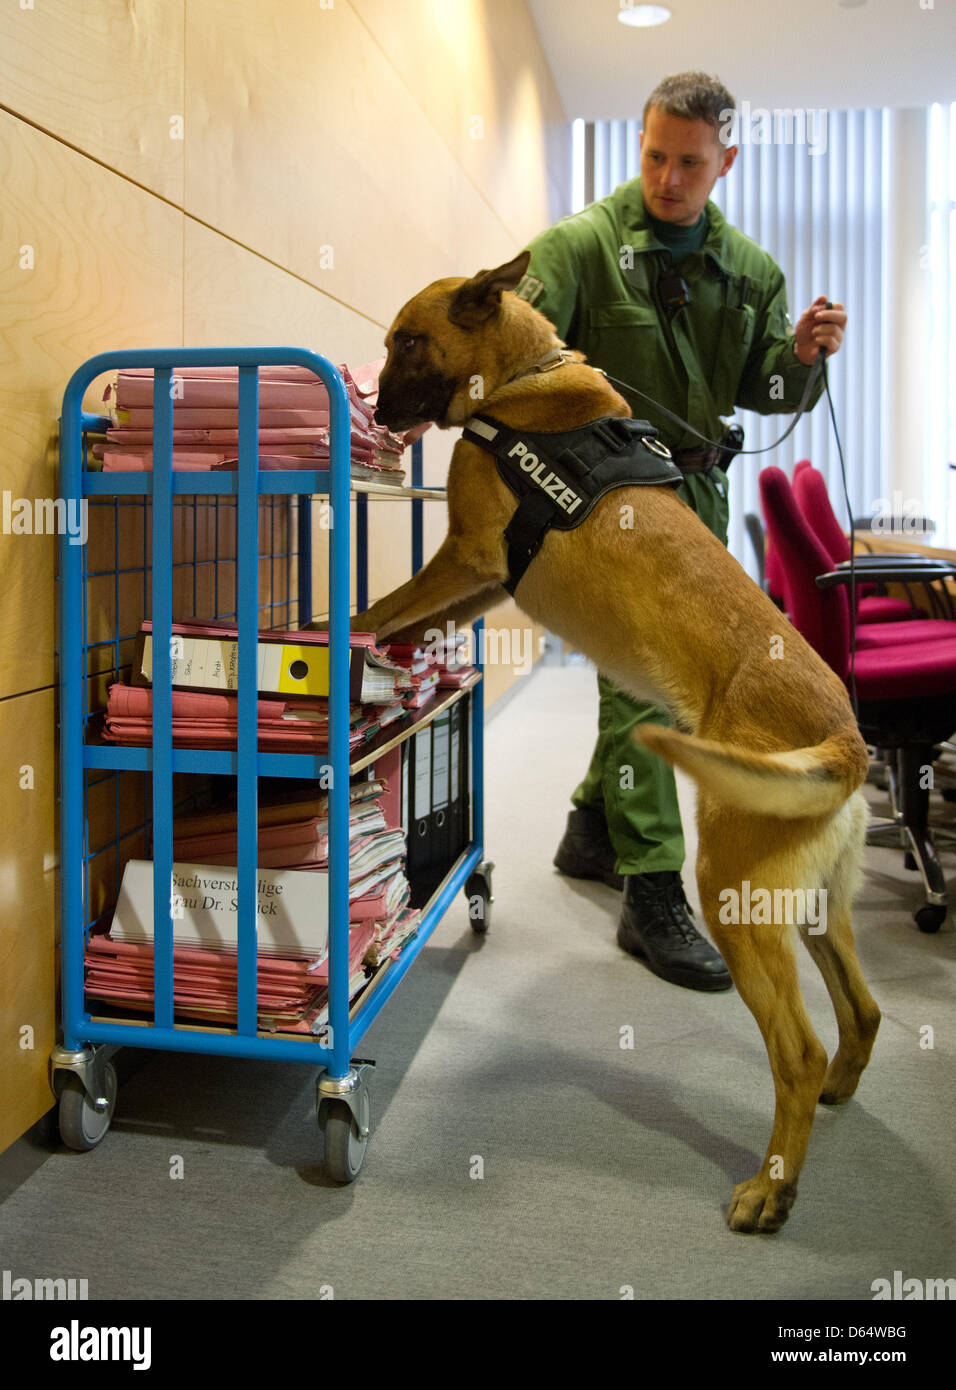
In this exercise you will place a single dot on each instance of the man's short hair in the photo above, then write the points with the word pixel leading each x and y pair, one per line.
pixel 693 96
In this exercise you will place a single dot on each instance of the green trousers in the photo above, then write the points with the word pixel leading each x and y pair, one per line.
pixel 634 788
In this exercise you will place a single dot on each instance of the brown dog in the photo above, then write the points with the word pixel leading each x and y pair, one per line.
pixel 664 610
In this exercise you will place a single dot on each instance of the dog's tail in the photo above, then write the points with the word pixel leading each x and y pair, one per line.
pixel 798 782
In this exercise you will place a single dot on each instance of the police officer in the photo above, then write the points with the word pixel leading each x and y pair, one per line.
pixel 653 285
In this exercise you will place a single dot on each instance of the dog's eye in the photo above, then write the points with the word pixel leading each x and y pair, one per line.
pixel 407 341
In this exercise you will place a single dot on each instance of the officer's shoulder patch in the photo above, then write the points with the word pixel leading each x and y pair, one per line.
pixel 529 288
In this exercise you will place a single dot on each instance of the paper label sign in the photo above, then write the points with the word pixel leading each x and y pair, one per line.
pixel 292 909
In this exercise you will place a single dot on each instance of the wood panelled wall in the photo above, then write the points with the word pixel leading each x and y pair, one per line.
pixel 201 172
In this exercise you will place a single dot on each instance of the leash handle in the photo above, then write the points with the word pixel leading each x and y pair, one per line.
pixel 822 354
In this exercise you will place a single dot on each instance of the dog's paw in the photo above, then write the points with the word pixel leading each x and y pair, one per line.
pixel 838 1089
pixel 760 1205
pixel 840 1082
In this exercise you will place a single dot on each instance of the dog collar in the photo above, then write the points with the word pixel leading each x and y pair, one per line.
pixel 557 357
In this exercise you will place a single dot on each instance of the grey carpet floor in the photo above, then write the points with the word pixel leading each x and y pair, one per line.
pixel 602 1169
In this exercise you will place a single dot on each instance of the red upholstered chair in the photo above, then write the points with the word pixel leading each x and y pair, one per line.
pixel 813 500
pixel 772 570
pixel 890 627
pixel 904 690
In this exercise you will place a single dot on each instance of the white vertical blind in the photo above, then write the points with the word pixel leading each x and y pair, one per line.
pixel 941 385
pixel 820 215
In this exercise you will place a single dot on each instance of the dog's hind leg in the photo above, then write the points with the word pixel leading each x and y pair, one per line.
pixel 762 962
pixel 833 950
pixel 857 1012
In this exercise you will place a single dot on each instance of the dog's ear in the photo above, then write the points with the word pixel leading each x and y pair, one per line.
pixel 479 297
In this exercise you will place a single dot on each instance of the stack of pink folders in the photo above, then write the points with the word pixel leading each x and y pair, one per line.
pixel 422 669
pixel 201 719
pixel 398 924
pixel 204 677
pixel 296 836
pixel 454 665
pixel 293 422
pixel 293 993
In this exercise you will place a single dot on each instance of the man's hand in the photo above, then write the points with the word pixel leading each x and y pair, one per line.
pixel 819 327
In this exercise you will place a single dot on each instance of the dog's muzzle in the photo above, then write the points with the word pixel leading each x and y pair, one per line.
pixel 411 403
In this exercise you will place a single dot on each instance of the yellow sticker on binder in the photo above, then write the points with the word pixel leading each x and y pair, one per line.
pixel 303 670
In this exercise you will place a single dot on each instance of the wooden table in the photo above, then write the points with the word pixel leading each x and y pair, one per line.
pixel 899 543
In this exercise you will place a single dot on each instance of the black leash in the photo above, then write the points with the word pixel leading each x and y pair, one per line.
pixel 812 379
pixel 846 496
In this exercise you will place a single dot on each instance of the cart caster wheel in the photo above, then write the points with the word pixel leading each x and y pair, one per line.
pixel 930 918
pixel 480 897
pixel 344 1145
pixel 82 1126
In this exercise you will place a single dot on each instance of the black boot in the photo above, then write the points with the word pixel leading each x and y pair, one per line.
pixel 657 926
pixel 586 850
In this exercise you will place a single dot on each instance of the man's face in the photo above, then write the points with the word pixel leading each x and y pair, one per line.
pixel 680 163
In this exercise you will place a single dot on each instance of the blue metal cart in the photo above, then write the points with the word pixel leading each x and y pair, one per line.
pixel 81 1074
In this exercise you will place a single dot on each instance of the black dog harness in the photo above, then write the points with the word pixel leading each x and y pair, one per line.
pixel 558 478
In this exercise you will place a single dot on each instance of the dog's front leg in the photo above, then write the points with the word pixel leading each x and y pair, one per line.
pixel 459 615
pixel 446 582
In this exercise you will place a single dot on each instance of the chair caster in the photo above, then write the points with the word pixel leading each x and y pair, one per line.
pixel 930 917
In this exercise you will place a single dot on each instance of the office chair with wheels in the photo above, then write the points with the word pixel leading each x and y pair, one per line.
pixel 903 683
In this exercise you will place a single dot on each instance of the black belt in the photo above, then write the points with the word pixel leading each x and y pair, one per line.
pixel 695 460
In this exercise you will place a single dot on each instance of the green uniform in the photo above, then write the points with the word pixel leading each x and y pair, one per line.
pixel 594 275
